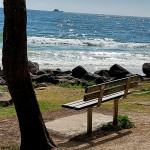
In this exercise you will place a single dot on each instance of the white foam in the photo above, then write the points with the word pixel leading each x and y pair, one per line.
pixel 106 43
pixel 91 60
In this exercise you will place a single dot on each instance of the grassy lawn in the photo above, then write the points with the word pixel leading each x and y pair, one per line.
pixel 54 96
pixel 49 99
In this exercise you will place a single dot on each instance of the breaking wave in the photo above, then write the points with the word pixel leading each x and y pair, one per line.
pixel 105 43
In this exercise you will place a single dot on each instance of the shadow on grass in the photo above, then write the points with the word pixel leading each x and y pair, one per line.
pixel 6 103
pixel 95 139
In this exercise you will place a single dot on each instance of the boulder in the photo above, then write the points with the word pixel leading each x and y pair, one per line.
pixel 57 71
pixel 41 85
pixel 64 73
pixel 33 67
pixel 104 73
pixel 68 77
pixel 45 71
pixel 90 77
pixel 53 80
pixel 45 78
pixel 78 72
pixel 146 69
pixel 40 72
pixel 41 78
pixel 100 80
pixel 118 71
pixel 63 80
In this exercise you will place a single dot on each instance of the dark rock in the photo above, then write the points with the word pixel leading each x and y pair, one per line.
pixel 68 72
pixel 78 72
pixel 56 72
pixel 45 78
pixel 79 81
pixel 146 69
pixel 96 72
pixel 45 71
pixel 100 80
pixel 72 82
pixel 118 71
pixel 90 77
pixel 48 71
pixel 41 78
pixel 33 67
pixel 104 73
pixel 56 10
pixel 63 80
pixel 41 72
pixel 68 77
pixel 39 85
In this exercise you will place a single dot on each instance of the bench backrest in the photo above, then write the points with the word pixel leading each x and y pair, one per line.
pixel 100 90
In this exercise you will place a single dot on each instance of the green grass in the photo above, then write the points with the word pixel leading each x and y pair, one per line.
pixel 2 89
pixel 7 111
pixel 54 96
pixel 123 123
pixel 49 99
pixel 67 85
pixel 47 105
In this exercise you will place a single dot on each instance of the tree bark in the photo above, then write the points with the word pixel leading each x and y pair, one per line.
pixel 34 135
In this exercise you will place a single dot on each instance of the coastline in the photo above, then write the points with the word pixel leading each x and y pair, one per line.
pixel 91 68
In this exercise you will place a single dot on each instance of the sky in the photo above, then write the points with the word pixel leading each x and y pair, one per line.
pixel 111 7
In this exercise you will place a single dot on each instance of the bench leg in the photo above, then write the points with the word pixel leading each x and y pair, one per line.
pixel 115 111
pixel 89 120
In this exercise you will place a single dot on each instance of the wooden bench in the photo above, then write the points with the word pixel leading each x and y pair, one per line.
pixel 98 94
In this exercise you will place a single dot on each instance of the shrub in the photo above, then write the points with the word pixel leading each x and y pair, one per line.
pixel 123 123
pixel 89 84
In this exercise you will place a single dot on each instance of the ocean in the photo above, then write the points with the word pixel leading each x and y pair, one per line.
pixel 65 40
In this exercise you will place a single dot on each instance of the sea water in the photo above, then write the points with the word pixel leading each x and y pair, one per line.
pixel 65 40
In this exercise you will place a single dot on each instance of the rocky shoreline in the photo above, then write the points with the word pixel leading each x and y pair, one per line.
pixel 78 75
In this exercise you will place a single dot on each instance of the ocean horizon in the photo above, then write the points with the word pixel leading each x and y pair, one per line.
pixel 65 40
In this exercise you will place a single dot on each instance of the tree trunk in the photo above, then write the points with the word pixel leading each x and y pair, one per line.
pixel 34 135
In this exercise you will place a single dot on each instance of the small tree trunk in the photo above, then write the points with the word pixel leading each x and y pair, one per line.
pixel 34 135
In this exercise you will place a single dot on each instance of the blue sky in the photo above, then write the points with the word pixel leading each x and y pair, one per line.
pixel 114 7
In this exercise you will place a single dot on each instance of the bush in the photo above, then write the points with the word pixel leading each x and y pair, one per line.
pixel 123 123
pixel 89 84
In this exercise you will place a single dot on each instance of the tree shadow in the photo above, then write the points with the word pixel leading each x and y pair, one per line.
pixel 6 103
pixel 96 138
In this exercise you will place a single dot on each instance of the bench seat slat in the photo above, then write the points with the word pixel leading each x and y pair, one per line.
pixel 81 104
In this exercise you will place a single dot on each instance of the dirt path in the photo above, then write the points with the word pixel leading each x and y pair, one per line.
pixel 131 139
